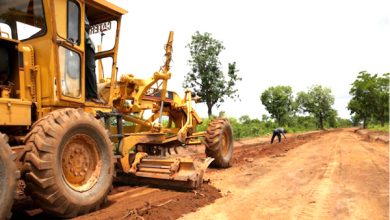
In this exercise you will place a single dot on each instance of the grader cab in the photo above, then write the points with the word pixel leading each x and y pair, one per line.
pixel 67 149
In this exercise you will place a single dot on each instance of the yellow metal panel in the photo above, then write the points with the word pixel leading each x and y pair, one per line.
pixel 109 7
pixel 26 87
pixel 128 144
pixel 60 17
pixel 15 112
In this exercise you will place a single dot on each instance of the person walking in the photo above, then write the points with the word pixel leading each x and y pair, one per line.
pixel 278 132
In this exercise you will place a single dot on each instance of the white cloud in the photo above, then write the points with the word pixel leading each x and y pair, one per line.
pixel 296 43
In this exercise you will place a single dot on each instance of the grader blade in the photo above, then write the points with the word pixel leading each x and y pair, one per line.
pixel 172 172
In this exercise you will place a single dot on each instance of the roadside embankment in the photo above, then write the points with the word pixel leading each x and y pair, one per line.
pixel 374 135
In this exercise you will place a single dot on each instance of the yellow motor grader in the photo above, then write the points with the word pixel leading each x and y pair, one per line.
pixel 67 149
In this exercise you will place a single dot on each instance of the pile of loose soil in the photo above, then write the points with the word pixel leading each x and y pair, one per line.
pixel 134 202
pixel 370 135
pixel 245 155
pixel 154 204
pixel 174 208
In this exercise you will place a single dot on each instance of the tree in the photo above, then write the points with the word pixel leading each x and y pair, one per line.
pixel 264 117
pixel 206 77
pixel 370 98
pixel 222 114
pixel 343 123
pixel 364 100
pixel 245 119
pixel 317 101
pixel 279 102
pixel 332 118
pixel 382 107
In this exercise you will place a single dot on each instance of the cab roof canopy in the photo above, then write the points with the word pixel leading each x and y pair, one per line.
pixel 101 10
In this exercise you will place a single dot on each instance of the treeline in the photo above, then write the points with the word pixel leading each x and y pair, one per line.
pixel 306 110
pixel 247 127
pixel 317 103
pixel 312 109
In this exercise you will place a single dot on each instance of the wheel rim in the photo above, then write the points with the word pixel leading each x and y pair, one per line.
pixel 81 162
pixel 225 143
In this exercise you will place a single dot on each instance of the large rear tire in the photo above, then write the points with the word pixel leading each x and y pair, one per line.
pixel 70 162
pixel 8 177
pixel 219 142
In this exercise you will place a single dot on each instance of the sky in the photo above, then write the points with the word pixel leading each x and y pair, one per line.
pixel 281 42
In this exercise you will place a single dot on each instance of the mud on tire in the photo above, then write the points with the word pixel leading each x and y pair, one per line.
pixel 70 163
pixel 219 142
pixel 8 177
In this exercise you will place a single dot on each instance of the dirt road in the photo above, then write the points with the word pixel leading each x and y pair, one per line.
pixel 326 175
pixel 336 176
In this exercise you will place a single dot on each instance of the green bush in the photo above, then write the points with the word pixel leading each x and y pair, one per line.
pixel 245 127
pixel 378 127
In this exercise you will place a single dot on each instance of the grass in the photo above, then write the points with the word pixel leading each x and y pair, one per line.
pixel 378 127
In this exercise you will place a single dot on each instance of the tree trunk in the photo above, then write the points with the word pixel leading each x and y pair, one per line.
pixel 321 120
pixel 364 122
pixel 382 118
pixel 279 121
pixel 209 109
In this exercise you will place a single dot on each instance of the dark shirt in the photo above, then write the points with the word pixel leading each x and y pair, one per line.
pixel 280 131
pixel 88 41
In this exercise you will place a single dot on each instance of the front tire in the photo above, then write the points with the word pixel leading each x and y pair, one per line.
pixel 70 162
pixel 8 177
pixel 219 142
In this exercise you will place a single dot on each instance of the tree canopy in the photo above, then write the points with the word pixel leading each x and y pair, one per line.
pixel 370 97
pixel 317 101
pixel 279 102
pixel 206 77
pixel 382 108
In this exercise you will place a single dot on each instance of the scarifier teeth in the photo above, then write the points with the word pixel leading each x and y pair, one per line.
pixel 179 172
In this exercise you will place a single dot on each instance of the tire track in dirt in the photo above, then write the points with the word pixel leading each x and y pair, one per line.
pixel 321 192
pixel 262 181
pixel 368 147
pixel 375 191
pixel 378 164
pixel 355 177
pixel 330 177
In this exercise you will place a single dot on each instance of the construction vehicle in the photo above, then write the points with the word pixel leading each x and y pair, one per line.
pixel 67 149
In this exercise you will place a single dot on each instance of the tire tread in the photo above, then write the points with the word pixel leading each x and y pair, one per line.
pixel 40 177
pixel 212 142
pixel 10 178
